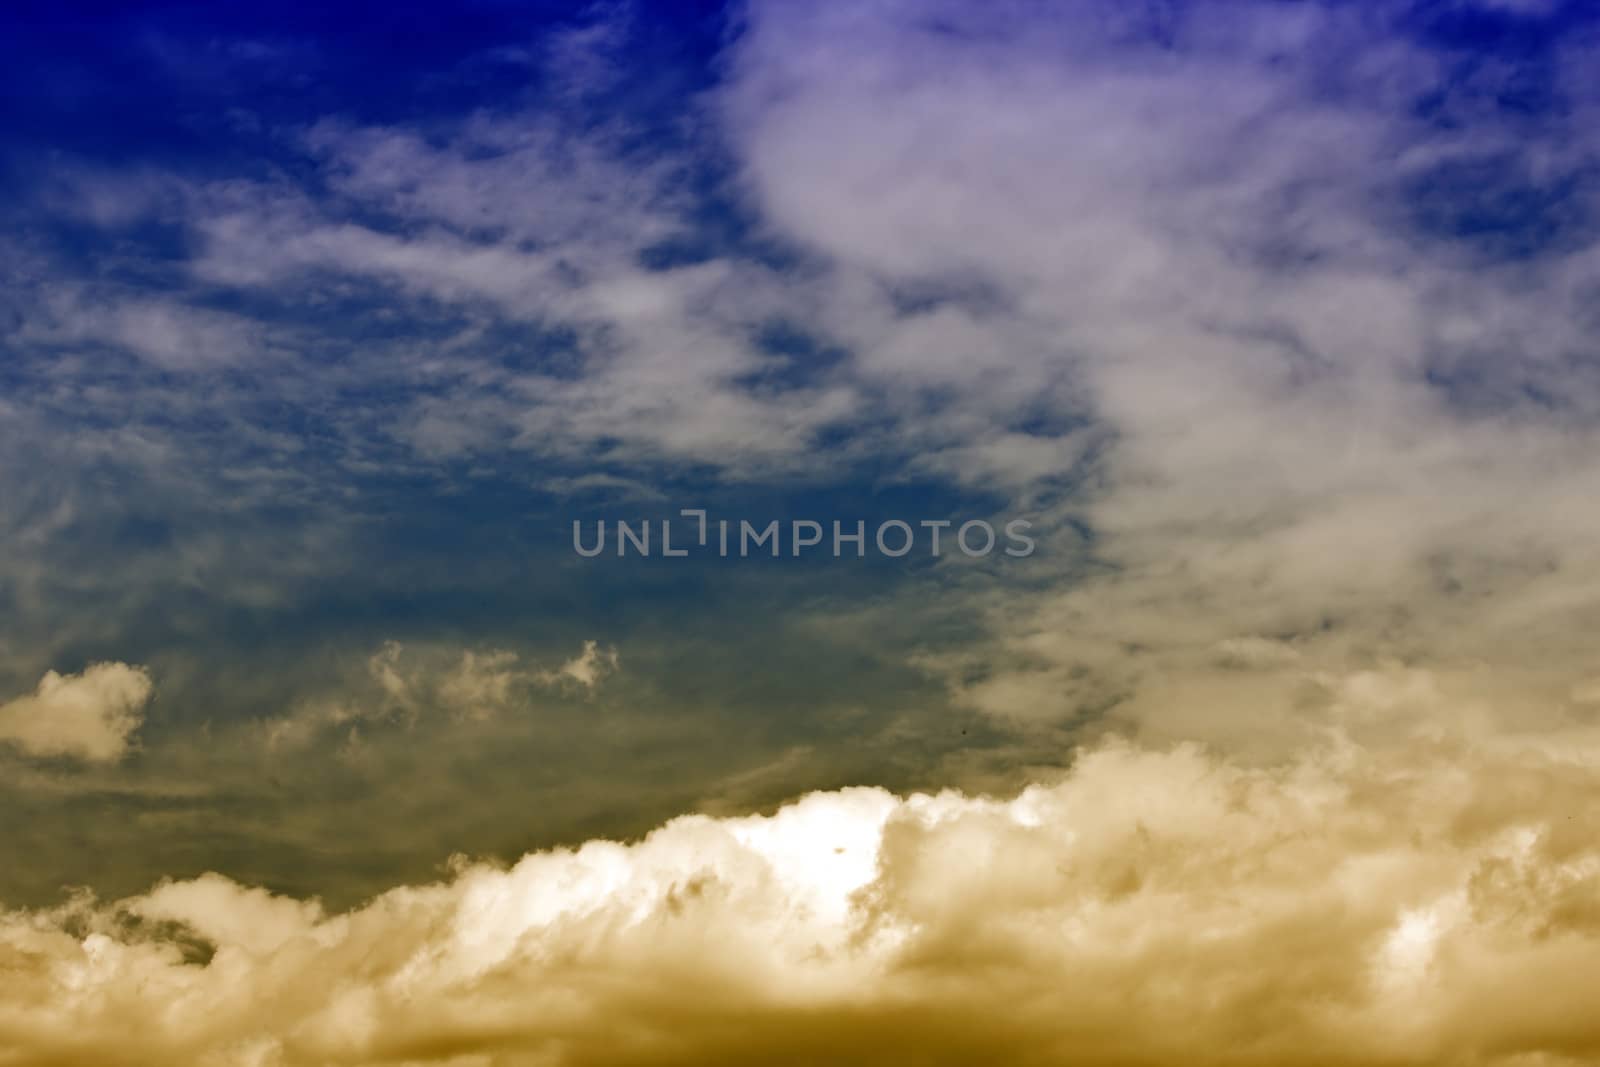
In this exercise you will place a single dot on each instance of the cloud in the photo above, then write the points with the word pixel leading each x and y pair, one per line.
pixel 524 220
pixel 168 335
pixel 1272 310
pixel 586 669
pixel 1420 896
pixel 89 716
pixel 400 685
pixel 1307 364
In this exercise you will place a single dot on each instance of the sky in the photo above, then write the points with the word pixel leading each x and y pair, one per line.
pixel 331 334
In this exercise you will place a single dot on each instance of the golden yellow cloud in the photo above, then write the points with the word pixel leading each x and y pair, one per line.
pixel 89 716
pixel 1398 893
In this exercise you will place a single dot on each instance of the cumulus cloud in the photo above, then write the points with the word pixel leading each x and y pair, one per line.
pixel 89 716
pixel 1420 896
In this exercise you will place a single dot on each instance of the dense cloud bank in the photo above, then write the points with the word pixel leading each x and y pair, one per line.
pixel 1427 898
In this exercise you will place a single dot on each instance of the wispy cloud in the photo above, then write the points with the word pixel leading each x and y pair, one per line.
pixel 402 685
pixel 1303 382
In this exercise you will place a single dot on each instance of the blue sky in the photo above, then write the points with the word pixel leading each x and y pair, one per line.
pixel 320 325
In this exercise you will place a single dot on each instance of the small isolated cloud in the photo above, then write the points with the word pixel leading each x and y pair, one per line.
pixel 89 716
pixel 585 669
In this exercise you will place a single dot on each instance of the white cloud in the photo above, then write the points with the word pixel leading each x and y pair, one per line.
pixel 523 223
pixel 89 716
pixel 1286 407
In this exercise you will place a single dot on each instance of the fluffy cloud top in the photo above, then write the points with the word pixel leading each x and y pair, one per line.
pixel 1425 899
pixel 88 716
